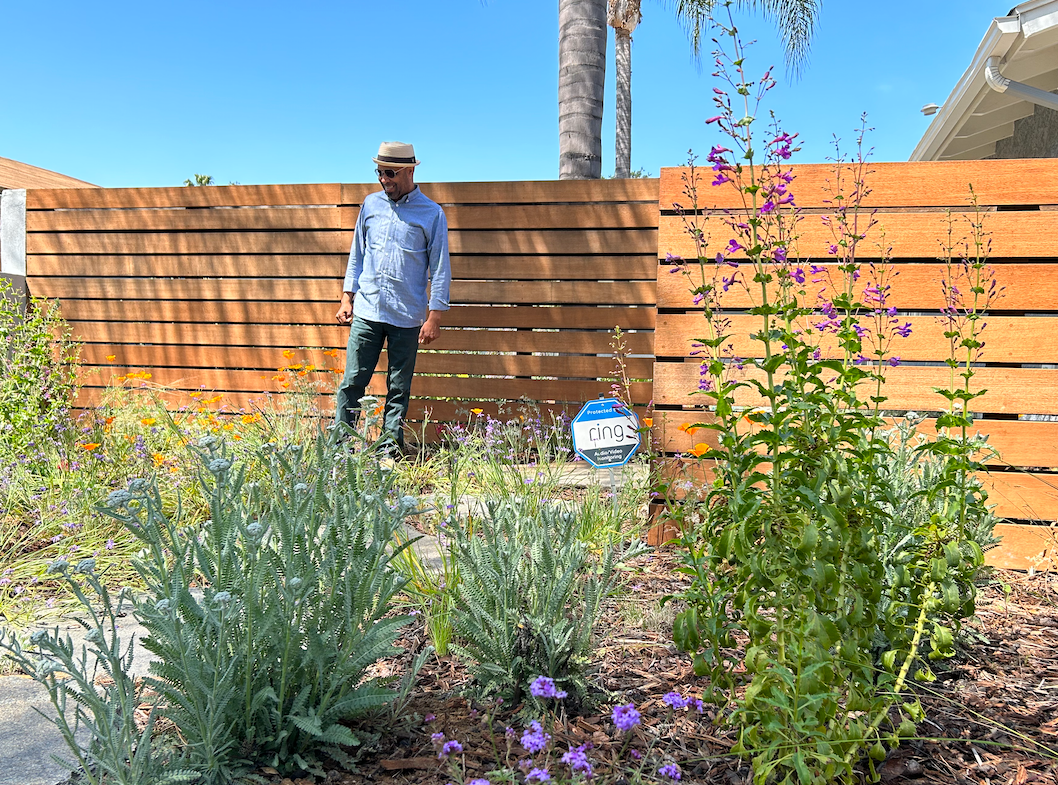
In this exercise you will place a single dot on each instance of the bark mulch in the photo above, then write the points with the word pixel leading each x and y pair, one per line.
pixel 992 714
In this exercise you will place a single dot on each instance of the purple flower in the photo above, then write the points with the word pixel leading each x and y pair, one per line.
pixel 733 245
pixel 577 760
pixel 479 781
pixel 715 119
pixel 538 775
pixel 429 718
pixel 670 770
pixel 636 754
pixel 779 255
pixel 625 717
pixel 449 747
pixel 544 687
pixel 904 331
pixel 767 207
pixel 894 361
pixel 534 739
pixel 675 700
pixel 798 274
pixel 832 250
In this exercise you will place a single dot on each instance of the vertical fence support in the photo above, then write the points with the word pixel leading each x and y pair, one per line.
pixel 13 240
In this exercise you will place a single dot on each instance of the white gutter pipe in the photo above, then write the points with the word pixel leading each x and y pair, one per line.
pixel 1001 84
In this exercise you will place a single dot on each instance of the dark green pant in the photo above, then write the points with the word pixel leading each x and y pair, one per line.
pixel 361 356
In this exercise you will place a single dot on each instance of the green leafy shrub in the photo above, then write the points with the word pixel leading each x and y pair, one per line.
pixel 529 596
pixel 39 380
pixel 269 662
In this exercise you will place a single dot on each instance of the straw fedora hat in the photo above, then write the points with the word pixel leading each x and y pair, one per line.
pixel 396 154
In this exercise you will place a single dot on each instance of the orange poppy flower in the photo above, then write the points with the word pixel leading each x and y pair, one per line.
pixel 288 354
pixel 689 428
pixel 476 411
pixel 148 421
pixel 89 446
pixel 648 422
pixel 699 449
pixel 111 358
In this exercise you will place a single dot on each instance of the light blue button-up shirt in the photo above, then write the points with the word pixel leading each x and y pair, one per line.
pixel 398 265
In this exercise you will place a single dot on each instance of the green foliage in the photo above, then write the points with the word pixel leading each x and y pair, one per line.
pixel 267 664
pixel 798 554
pixel 529 597
pixel 39 379
pixel 116 752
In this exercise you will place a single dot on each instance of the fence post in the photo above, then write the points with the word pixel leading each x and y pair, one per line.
pixel 13 241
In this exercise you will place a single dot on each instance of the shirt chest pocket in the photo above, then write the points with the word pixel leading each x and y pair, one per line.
pixel 409 238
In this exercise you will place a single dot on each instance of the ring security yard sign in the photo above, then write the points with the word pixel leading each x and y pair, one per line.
pixel 605 433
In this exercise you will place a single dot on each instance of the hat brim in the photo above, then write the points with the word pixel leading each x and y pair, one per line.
pixel 394 164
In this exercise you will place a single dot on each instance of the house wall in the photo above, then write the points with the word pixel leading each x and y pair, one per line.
pixel 1035 136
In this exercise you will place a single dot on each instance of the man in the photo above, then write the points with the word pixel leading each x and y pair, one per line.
pixel 396 286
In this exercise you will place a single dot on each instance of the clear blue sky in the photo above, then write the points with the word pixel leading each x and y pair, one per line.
pixel 147 94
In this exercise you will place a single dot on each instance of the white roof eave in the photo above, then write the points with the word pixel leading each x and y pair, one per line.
pixel 1003 33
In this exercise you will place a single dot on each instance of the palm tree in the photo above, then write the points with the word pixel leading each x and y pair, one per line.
pixel 623 16
pixel 581 80
pixel 796 20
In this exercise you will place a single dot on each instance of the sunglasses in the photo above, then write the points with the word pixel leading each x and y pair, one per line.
pixel 390 173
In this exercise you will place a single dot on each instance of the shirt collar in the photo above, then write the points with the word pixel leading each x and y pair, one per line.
pixel 406 198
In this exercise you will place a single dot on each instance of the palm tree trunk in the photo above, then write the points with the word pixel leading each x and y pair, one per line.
pixel 581 83
pixel 623 61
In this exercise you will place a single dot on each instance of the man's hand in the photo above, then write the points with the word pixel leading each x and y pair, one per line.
pixel 431 330
pixel 345 310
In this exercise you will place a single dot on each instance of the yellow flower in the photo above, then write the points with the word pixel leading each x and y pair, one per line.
pixel 288 354
pixel 195 394
pixel 228 426
pixel 251 418
pixel 158 458
pixel 111 358
pixel 89 446
pixel 295 367
pixel 476 411
pixel 699 449
pixel 214 399
pixel 148 421
pixel 331 353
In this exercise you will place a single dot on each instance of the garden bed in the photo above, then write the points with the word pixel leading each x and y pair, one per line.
pixel 992 714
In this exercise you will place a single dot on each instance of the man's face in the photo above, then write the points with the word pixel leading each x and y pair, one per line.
pixel 400 183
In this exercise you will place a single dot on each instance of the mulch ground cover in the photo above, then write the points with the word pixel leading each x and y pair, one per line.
pixel 992 714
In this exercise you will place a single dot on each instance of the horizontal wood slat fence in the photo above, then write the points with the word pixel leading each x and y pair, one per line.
pixel 206 288
pixel 912 203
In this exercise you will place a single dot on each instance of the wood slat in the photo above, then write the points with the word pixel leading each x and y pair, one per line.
pixel 597 215
pixel 124 243
pixel 1018 495
pixel 527 192
pixel 133 357
pixel 894 184
pixel 1027 287
pixel 200 311
pixel 1023 547
pixel 1019 442
pixel 322 313
pixel 257 382
pixel 193 220
pixel 211 196
pixel 335 336
pixel 1009 339
pixel 330 266
pixel 907 235
pixel 537 292
pixel 1010 390
pixel 547 241
pixel 286 289
pixel 640 267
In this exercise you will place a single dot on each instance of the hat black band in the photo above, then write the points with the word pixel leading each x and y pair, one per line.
pixel 392 159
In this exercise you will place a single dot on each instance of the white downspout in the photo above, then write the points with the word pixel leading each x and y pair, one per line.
pixel 1001 84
